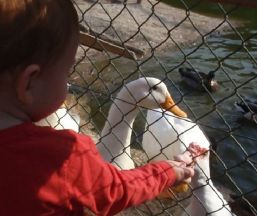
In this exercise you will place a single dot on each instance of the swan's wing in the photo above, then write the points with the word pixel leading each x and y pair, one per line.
pixel 51 120
pixel 61 119
pixel 190 132
pixel 160 140
pixel 67 120
pixel 170 135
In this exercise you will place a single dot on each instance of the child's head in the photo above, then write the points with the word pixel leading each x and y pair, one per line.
pixel 38 42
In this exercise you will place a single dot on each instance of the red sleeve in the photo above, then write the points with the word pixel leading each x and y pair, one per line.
pixel 106 190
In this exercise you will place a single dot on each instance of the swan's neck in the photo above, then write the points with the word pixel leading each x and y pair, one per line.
pixel 116 135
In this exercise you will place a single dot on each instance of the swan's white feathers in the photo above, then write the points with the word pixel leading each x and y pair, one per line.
pixel 169 135
pixel 61 119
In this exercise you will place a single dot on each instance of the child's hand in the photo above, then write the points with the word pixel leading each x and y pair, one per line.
pixel 184 168
pixel 183 172
pixel 184 163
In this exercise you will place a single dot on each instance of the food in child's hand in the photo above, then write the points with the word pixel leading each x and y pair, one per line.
pixel 193 152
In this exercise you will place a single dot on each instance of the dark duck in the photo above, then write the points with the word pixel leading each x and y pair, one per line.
pixel 244 205
pixel 198 80
pixel 249 109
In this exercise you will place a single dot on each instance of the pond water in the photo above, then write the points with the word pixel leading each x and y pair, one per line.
pixel 236 72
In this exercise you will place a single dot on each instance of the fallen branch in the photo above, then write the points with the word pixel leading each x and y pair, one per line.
pixel 113 46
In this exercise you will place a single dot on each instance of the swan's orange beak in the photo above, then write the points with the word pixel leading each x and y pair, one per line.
pixel 169 105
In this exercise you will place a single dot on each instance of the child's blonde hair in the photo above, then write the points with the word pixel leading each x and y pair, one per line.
pixel 34 31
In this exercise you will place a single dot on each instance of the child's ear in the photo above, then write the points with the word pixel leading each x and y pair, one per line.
pixel 26 83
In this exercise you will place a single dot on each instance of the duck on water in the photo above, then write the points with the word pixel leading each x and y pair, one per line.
pixel 198 80
pixel 249 109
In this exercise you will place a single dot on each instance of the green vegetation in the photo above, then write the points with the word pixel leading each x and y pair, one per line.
pixel 215 9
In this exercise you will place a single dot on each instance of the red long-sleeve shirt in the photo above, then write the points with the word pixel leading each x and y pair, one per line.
pixel 50 172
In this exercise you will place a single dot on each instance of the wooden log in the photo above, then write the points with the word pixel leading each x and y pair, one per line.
pixel 113 46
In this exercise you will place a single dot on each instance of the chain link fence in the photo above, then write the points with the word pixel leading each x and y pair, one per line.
pixel 206 55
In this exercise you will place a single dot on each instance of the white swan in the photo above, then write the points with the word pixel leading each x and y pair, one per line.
pixel 168 135
pixel 61 119
pixel 146 92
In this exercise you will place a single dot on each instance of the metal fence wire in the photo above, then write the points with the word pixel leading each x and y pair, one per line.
pixel 208 63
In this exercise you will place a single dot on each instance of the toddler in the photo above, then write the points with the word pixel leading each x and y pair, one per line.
pixel 56 172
